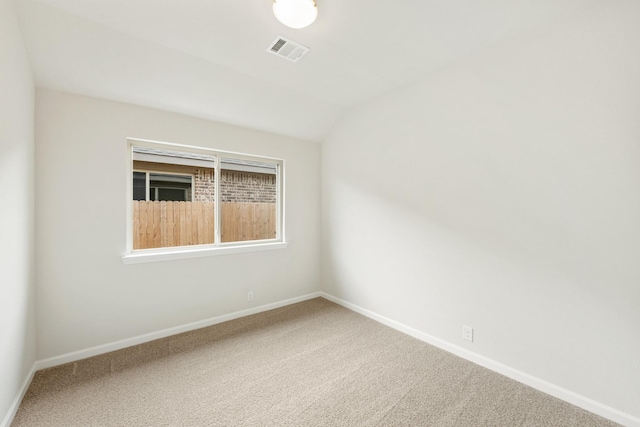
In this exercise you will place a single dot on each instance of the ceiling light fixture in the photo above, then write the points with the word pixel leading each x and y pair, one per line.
pixel 295 13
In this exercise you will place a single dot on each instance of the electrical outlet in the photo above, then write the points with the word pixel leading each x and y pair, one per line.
pixel 250 296
pixel 467 333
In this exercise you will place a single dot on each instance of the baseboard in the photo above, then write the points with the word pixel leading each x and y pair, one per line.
pixel 13 409
pixel 522 377
pixel 537 383
pixel 141 339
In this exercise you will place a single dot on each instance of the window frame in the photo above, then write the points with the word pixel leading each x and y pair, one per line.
pixel 134 256
pixel 147 180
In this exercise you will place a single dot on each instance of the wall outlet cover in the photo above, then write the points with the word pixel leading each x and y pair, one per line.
pixel 467 333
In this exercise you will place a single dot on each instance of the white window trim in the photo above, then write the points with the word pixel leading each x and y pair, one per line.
pixel 197 251
pixel 132 256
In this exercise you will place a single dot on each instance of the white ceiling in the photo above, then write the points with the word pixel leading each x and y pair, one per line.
pixel 207 58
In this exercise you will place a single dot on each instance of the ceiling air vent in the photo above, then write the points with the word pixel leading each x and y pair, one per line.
pixel 287 49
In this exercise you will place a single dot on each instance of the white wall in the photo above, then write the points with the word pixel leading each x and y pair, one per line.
pixel 86 295
pixel 502 193
pixel 17 313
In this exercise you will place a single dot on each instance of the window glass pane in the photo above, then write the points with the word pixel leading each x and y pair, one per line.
pixel 170 187
pixel 180 209
pixel 248 192
pixel 178 202
pixel 139 186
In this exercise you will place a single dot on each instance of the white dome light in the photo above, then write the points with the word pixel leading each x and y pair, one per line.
pixel 295 13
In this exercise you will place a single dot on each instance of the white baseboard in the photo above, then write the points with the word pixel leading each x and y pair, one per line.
pixel 522 377
pixel 13 409
pixel 537 383
pixel 141 339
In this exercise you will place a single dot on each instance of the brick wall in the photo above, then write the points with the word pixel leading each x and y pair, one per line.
pixel 203 180
pixel 243 187
pixel 248 187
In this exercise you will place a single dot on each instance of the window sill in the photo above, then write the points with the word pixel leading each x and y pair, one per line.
pixel 185 253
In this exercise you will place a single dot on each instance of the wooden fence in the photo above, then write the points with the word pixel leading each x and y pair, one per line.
pixel 248 221
pixel 165 224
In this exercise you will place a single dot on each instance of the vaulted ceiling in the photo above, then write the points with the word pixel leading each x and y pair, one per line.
pixel 207 58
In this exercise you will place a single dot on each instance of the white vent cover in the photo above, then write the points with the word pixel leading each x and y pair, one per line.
pixel 287 49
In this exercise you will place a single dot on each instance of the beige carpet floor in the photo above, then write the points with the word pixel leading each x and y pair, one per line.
pixel 309 364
